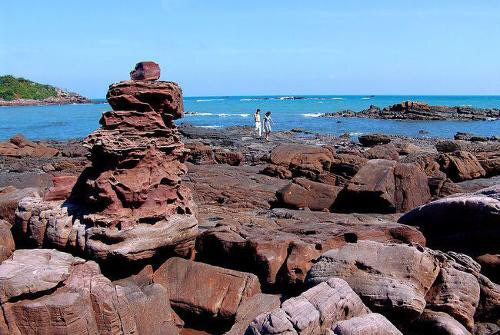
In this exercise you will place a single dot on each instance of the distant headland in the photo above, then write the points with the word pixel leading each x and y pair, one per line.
pixel 23 92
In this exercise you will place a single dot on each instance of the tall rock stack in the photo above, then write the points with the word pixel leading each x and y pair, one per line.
pixel 130 202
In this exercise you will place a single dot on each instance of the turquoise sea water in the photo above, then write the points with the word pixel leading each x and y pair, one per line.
pixel 76 121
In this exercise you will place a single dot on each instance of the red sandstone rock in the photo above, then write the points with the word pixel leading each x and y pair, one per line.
pixel 370 324
pixel 10 197
pixel 50 292
pixel 432 322
pixel 303 193
pixel 490 266
pixel 385 186
pixel 61 189
pixel 199 289
pixel 18 146
pixel 312 312
pixel 461 165
pixel 382 151
pixel 130 202
pixel 145 71
pixel 467 222
pixel 370 140
pixel 393 279
pixel 162 97
pixel 7 245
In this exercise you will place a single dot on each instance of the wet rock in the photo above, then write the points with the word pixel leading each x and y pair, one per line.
pixel 63 185
pixel 145 71
pixel 392 279
pixel 371 140
pixel 466 223
pixel 303 193
pixel 384 186
pixel 488 309
pixel 7 245
pixel 461 165
pixel 370 324
pixel 312 312
pixel 206 291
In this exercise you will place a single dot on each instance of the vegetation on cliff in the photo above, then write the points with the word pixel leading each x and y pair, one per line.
pixel 12 88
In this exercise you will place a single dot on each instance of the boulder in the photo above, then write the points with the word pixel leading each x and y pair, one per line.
pixel 312 312
pixel 384 186
pixel 298 160
pixel 467 223
pixel 145 71
pixel 200 153
pixel 382 151
pixel 63 185
pixel 392 279
pixel 432 322
pixel 205 291
pixel 345 166
pixel 303 193
pixel 456 289
pixel 281 256
pixel 490 162
pixel 490 266
pixel 7 245
pixel 51 292
pixel 488 309
pixel 461 165
pixel 250 309
pixel 370 324
pixel 370 140
pixel 9 199
pixel 223 156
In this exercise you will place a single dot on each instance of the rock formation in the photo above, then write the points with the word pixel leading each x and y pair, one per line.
pixel 130 202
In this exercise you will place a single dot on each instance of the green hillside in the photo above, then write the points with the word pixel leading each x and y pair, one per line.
pixel 12 88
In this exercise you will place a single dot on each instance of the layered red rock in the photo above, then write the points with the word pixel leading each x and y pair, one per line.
pixel 385 186
pixel 145 71
pixel 313 312
pixel 202 290
pixel 7 245
pixel 19 146
pixel 130 202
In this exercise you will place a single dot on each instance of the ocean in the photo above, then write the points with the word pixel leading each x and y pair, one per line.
pixel 76 121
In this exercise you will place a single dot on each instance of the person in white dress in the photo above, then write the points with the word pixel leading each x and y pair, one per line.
pixel 258 124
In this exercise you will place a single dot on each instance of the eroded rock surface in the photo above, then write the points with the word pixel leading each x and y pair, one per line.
pixel 130 203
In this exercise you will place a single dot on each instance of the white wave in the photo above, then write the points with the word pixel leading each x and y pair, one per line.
pixel 209 126
pixel 355 134
pixel 205 100
pixel 248 99
pixel 228 115
pixel 320 102
pixel 337 98
pixel 199 114
pixel 312 114
pixel 366 98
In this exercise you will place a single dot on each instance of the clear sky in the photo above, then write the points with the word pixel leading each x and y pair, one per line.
pixel 228 47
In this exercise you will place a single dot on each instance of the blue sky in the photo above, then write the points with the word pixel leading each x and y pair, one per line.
pixel 229 47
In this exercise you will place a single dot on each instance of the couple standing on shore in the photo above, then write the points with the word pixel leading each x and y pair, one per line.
pixel 267 124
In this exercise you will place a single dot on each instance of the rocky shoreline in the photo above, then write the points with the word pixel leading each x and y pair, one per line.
pixel 62 98
pixel 411 110
pixel 145 228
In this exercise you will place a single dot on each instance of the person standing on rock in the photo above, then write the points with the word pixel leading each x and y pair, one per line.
pixel 258 124
pixel 267 125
